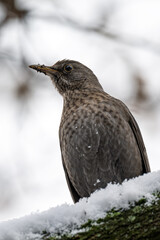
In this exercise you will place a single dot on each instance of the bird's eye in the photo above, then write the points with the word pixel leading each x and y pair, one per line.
pixel 68 68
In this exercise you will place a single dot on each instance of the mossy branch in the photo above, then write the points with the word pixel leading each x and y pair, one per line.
pixel 140 222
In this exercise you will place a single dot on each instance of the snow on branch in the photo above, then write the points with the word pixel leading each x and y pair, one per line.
pixel 64 218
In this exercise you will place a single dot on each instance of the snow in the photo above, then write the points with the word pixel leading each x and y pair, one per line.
pixel 98 181
pixel 61 217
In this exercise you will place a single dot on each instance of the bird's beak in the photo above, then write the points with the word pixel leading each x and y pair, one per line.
pixel 44 69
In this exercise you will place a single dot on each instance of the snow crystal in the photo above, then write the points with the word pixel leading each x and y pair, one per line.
pixel 96 182
pixel 60 217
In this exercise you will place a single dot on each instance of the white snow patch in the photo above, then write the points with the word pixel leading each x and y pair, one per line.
pixel 98 181
pixel 60 217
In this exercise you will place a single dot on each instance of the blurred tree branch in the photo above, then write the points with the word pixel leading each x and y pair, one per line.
pixel 102 31
pixel 14 10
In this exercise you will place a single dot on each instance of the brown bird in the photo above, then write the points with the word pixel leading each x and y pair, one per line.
pixel 99 138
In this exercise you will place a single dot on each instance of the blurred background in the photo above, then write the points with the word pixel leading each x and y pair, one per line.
pixel 118 39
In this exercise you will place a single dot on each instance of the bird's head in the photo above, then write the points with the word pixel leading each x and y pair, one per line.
pixel 69 75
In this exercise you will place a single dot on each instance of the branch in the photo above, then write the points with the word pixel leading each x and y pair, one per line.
pixel 129 40
pixel 141 221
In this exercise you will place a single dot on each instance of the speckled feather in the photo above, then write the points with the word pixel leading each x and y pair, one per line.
pixel 98 142
pixel 99 138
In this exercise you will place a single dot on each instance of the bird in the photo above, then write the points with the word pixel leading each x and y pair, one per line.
pixel 100 140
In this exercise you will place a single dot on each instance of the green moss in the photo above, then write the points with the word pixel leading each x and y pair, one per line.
pixel 139 222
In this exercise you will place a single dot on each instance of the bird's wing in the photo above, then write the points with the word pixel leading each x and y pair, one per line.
pixel 79 147
pixel 137 133
pixel 74 193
